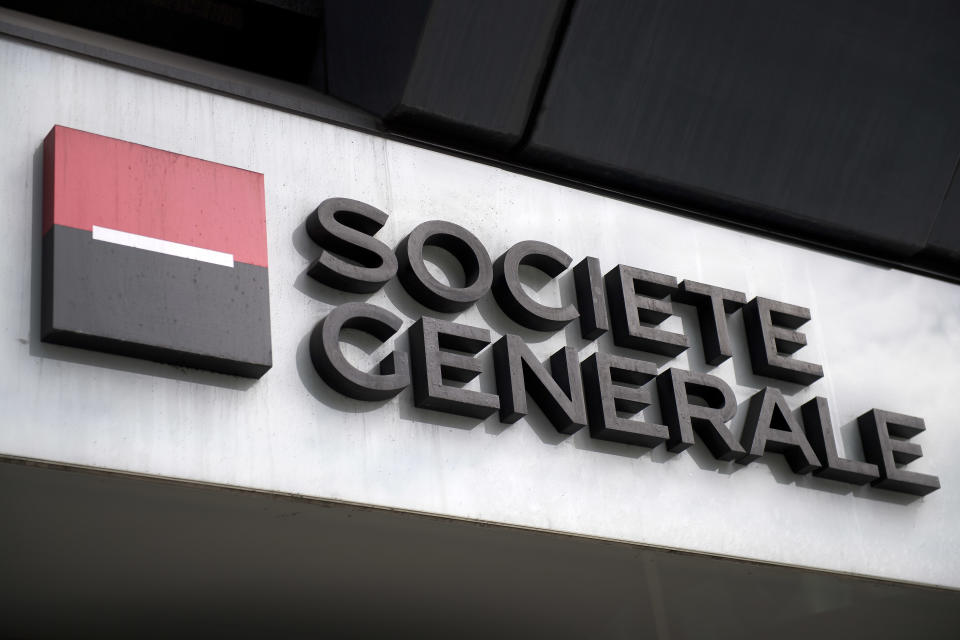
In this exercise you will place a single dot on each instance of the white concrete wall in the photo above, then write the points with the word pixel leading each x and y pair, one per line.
pixel 886 339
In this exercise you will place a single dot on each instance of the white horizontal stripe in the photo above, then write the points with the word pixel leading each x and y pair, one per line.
pixel 162 246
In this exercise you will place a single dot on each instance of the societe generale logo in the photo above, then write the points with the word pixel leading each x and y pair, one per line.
pixel 154 255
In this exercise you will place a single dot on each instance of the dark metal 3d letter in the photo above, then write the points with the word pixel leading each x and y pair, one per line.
pixel 342 376
pixel 683 418
pixel 820 433
pixel 558 393
pixel 514 300
pixel 771 337
pixel 344 226
pixel 713 304
pixel 770 426
pixel 637 297
pixel 876 427
pixel 605 384
pixel 432 342
pixel 591 298
pixel 465 247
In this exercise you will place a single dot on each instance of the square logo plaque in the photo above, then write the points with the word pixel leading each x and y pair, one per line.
pixel 154 255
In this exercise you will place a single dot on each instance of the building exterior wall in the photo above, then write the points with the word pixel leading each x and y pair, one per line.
pixel 886 339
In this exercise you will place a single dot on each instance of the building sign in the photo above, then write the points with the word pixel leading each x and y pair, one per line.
pixel 160 256
pixel 605 390
pixel 154 255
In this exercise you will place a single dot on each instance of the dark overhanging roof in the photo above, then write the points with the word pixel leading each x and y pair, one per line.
pixel 93 552
pixel 832 124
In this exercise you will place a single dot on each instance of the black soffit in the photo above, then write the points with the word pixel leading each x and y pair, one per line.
pixel 460 70
pixel 177 559
pixel 831 120
pixel 830 123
